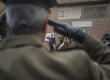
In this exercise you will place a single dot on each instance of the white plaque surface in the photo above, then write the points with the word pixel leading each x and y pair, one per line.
pixel 69 13
pixel 82 23
pixel 48 34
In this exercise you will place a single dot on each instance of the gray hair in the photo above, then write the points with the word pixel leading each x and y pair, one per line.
pixel 25 18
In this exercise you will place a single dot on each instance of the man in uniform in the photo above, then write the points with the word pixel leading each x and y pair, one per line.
pixel 106 39
pixel 22 56
pixel 52 42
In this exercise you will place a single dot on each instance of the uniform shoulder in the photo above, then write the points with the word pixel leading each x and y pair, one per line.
pixel 70 53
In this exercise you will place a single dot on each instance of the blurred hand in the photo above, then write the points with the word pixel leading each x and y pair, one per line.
pixel 68 31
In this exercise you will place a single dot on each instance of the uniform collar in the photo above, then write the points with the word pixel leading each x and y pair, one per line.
pixel 17 41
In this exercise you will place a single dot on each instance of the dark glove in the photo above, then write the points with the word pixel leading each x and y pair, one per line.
pixel 69 31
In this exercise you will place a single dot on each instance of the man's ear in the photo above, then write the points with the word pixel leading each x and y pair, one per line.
pixel 45 26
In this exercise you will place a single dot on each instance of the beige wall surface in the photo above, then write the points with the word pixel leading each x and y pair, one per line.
pixel 71 1
pixel 99 26
pixel 2 9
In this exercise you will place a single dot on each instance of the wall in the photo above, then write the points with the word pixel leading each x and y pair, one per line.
pixel 71 1
pixel 100 25
pixel 2 9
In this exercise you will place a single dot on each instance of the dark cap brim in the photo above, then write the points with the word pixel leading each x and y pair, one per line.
pixel 106 36
pixel 43 3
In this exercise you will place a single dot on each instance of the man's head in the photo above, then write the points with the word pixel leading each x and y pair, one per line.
pixel 51 35
pixel 106 38
pixel 26 19
pixel 28 16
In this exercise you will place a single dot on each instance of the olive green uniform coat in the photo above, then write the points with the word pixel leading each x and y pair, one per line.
pixel 24 58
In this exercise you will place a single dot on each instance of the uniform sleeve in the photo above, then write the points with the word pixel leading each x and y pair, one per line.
pixel 100 53
pixel 97 50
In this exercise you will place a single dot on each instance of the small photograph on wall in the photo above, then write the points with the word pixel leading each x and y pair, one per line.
pixel 48 35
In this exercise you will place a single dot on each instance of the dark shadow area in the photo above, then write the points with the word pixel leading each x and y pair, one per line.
pixel 3 29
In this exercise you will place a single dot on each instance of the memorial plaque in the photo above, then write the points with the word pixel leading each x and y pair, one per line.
pixel 95 12
pixel 82 23
pixel 61 13
pixel 69 13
